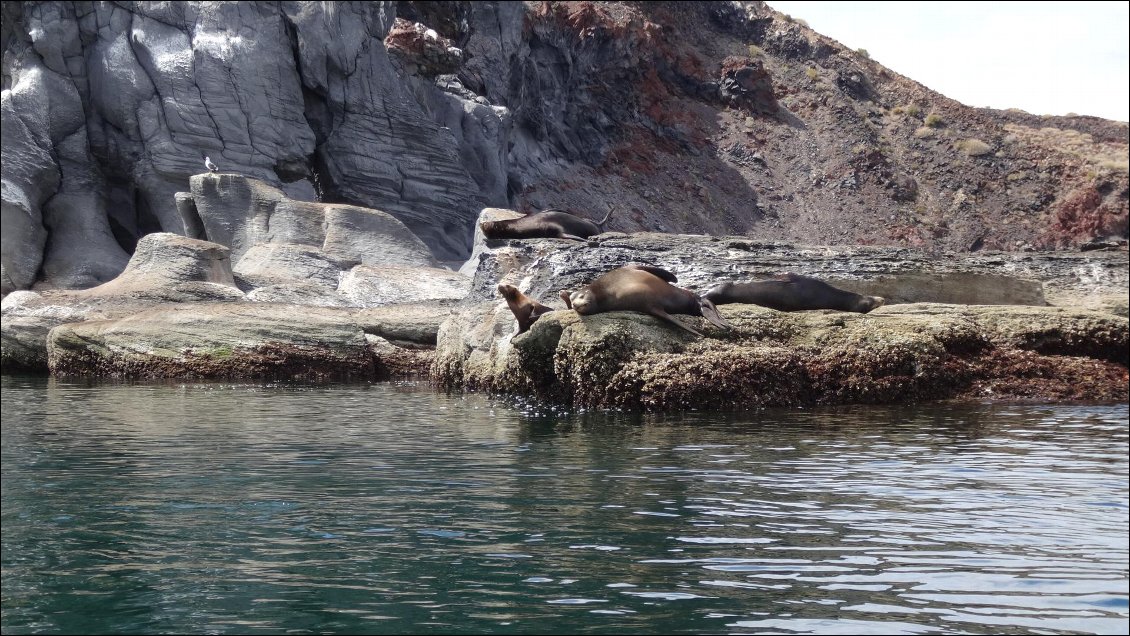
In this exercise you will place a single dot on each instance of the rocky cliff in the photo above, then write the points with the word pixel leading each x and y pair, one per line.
pixel 709 117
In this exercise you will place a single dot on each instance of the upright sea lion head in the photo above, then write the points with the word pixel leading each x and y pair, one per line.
pixel 526 310
pixel 509 292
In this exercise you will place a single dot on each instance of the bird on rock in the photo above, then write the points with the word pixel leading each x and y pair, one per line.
pixel 211 166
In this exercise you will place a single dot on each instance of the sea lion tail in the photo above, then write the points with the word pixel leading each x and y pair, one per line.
pixel 600 223
pixel 710 312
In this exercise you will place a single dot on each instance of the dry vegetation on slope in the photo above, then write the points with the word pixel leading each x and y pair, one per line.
pixel 717 118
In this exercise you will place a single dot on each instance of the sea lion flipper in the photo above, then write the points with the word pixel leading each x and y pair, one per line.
pixel 600 223
pixel 666 317
pixel 565 296
pixel 573 237
pixel 539 311
pixel 654 271
pixel 710 312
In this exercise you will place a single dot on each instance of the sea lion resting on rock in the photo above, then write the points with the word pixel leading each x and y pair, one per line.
pixel 545 224
pixel 645 289
pixel 525 309
pixel 793 292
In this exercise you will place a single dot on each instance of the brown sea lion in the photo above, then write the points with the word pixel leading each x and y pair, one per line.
pixel 525 309
pixel 793 292
pixel 645 289
pixel 545 224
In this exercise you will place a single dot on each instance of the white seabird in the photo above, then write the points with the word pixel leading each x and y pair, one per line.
pixel 211 166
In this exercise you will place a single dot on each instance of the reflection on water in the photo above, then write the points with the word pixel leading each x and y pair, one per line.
pixel 260 509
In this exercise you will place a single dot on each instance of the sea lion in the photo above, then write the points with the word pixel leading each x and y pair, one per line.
pixel 793 292
pixel 645 289
pixel 525 309
pixel 550 223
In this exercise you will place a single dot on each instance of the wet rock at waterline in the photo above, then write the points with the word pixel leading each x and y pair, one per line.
pixel 895 354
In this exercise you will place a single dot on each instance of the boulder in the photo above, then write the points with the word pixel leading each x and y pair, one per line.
pixel 172 268
pixel 292 279
pixel 298 293
pixel 26 319
pixel 249 341
pixel 244 340
pixel 241 212
pixel 414 325
pixel 964 326
pixel 281 263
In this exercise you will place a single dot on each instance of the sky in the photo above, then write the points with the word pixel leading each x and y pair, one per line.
pixel 1047 58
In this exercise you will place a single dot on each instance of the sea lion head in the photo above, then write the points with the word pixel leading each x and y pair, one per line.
pixel 720 292
pixel 583 301
pixel 489 228
pixel 867 303
pixel 509 292
pixel 526 310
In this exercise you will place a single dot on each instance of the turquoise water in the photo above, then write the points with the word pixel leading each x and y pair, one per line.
pixel 209 508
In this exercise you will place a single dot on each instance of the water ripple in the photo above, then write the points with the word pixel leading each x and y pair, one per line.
pixel 223 508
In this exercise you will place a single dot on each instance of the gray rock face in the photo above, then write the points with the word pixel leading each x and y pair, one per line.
pixel 30 176
pixel 377 146
pixel 53 217
pixel 110 108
